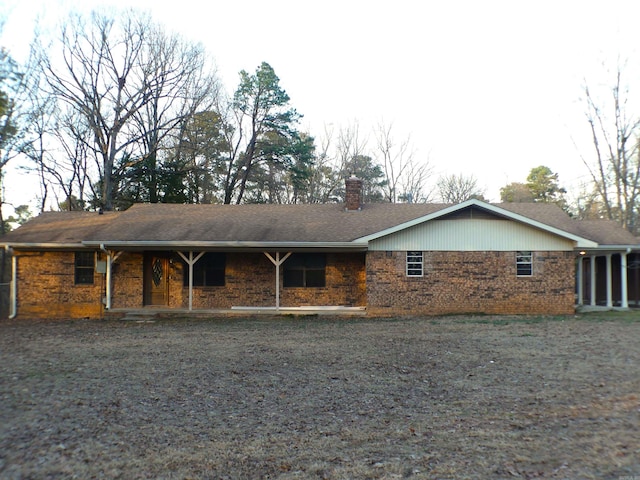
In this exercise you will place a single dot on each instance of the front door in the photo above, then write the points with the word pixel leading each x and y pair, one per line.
pixel 156 280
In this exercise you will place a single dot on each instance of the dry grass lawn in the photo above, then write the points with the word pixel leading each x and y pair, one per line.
pixel 291 398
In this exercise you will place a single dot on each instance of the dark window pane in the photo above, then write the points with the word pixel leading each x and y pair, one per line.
pixel 84 268
pixel 214 278
pixel 315 278
pixel 208 271
pixel 524 269
pixel 305 270
pixel 293 278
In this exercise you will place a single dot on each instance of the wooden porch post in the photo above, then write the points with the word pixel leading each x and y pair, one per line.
pixel 277 262
pixel 191 262
pixel 111 259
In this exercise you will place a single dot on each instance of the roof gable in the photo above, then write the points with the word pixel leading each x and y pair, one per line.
pixel 454 211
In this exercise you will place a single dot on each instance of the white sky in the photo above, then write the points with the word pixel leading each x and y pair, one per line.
pixel 485 88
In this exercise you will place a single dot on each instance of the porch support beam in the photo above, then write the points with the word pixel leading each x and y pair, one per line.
pixel 580 280
pixel 111 258
pixel 624 300
pixel 191 261
pixel 277 262
pixel 609 282
pixel 592 280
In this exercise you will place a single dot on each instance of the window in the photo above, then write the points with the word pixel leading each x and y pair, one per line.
pixel 84 266
pixel 414 264
pixel 209 271
pixel 305 270
pixel 524 264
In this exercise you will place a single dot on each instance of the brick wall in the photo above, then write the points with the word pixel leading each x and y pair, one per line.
pixel 470 282
pixel 46 287
pixel 127 281
pixel 453 282
pixel 250 282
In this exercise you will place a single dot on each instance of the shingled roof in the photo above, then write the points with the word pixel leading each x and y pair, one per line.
pixel 64 228
pixel 322 224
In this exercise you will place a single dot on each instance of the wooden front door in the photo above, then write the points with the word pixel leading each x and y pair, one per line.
pixel 156 280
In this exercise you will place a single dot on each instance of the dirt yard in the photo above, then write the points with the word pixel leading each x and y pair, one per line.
pixel 292 398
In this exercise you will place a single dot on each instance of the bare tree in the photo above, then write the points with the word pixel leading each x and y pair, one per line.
pixel 458 188
pixel 414 183
pixel 182 87
pixel 325 174
pixel 132 87
pixel 101 76
pixel 397 158
pixel 349 145
pixel 615 132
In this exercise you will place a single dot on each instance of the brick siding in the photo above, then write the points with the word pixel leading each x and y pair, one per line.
pixel 250 282
pixel 46 287
pixel 453 282
pixel 470 282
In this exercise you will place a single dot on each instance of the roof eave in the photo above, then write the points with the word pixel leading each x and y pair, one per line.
pixel 233 245
pixel 614 248
pixel 43 245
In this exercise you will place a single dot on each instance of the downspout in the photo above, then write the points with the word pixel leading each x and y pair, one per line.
pixel 13 286
pixel 107 305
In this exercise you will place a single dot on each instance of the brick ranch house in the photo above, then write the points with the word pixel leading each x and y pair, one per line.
pixel 371 259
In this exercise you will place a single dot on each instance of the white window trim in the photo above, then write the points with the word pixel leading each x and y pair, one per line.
pixel 415 265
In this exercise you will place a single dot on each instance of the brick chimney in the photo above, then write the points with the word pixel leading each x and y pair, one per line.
pixel 353 193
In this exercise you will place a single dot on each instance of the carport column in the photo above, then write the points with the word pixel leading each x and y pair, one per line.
pixel 609 282
pixel 277 262
pixel 624 301
pixel 580 281
pixel 592 280
pixel 191 262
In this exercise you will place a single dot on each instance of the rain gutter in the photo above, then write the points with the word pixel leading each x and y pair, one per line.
pixel 182 245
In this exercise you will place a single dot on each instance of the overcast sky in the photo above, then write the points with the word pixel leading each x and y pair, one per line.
pixel 485 88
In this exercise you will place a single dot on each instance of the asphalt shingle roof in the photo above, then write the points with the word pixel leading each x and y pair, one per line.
pixel 325 223
pixel 59 227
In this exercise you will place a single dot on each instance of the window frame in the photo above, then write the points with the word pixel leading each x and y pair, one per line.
pixel 83 263
pixel 305 266
pixel 524 263
pixel 414 266
pixel 215 270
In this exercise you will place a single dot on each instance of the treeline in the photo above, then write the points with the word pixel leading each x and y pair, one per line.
pixel 116 110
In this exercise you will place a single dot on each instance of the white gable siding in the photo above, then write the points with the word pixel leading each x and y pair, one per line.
pixel 471 235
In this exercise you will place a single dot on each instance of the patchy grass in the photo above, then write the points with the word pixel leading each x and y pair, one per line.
pixel 446 397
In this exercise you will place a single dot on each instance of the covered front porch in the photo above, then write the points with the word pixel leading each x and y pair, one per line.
pixel 234 281
pixel 608 278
